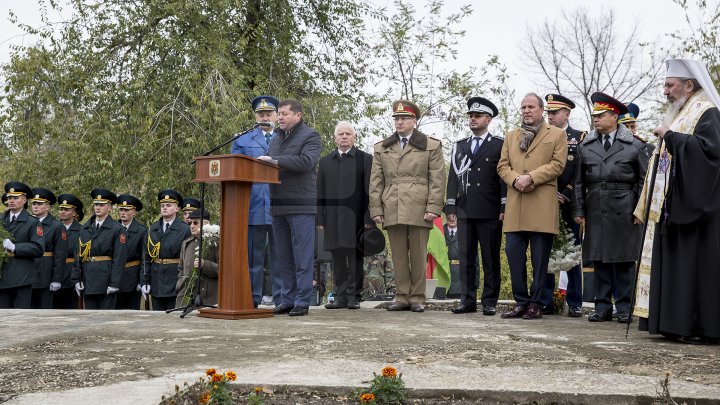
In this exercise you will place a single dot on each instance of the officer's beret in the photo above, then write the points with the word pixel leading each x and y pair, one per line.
pixel 43 195
pixel 17 188
pixel 129 201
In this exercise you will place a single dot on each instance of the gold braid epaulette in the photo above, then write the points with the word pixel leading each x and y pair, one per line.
pixel 84 249
pixel 153 248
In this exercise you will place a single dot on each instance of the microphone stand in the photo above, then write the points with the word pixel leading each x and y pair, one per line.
pixel 197 300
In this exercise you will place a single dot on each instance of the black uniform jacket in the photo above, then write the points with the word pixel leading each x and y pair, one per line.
pixel 73 233
pixel 566 181
pixel 136 241
pixel 29 242
pixel 102 265
pixel 479 193
pixel 51 267
pixel 161 274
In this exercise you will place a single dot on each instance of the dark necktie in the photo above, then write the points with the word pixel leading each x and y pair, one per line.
pixel 268 135
pixel 452 234
pixel 12 218
pixel 477 143
pixel 167 225
pixel 97 226
pixel 403 142
pixel 606 144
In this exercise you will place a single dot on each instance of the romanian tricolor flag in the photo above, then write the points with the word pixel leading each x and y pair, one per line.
pixel 438 264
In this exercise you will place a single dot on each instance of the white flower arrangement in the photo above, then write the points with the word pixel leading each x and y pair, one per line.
pixel 565 254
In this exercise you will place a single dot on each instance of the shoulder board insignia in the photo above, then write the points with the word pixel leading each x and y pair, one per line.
pixel 432 137
pixel 498 137
pixel 582 135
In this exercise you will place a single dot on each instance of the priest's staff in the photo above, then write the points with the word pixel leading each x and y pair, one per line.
pixel 646 214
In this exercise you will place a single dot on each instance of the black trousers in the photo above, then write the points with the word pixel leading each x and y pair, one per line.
pixel 41 298
pixel 575 275
pixel 163 303
pixel 65 298
pixel 488 233
pixel 348 274
pixel 516 244
pixel 16 297
pixel 128 300
pixel 617 276
pixel 100 301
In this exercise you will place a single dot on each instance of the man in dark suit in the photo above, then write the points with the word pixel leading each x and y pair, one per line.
pixel 295 148
pixel 70 212
pixel 476 198
pixel 49 268
pixel 162 256
pixel 129 295
pixel 342 194
pixel 26 245
pixel 558 110
pixel 451 241
pixel 100 257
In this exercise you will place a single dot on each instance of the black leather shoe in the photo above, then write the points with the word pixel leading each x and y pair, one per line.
pixel 697 340
pixel 547 310
pixel 600 316
pixel 615 314
pixel 417 307
pixel 575 312
pixel 489 310
pixel 298 311
pixel 533 312
pixel 623 317
pixel 464 309
pixel 516 312
pixel 336 305
pixel 354 305
pixel 282 309
pixel 399 306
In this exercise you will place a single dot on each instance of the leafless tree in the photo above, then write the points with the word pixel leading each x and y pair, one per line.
pixel 579 54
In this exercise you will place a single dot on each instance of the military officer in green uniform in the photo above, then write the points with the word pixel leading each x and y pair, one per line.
pixel 49 269
pixel 162 255
pixel 129 295
pixel 101 254
pixel 70 212
pixel 27 244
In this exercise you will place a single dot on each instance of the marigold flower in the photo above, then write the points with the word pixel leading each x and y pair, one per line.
pixel 210 372
pixel 216 377
pixel 389 371
pixel 205 398
pixel 230 375
pixel 214 386
pixel 258 390
pixel 367 397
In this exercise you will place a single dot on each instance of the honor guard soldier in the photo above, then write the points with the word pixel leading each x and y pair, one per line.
pixel 101 254
pixel 558 109
pixel 50 268
pixel 162 254
pixel 611 170
pixel 476 199
pixel 629 119
pixel 27 244
pixel 70 213
pixel 129 295
pixel 189 205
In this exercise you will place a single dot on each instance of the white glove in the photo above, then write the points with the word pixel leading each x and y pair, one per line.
pixel 112 290
pixel 8 245
pixel 54 286
pixel 79 286
pixel 138 288
pixel 145 289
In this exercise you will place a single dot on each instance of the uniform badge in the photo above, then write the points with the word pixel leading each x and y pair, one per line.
pixel 123 239
pixel 571 157
pixel 64 235
pixel 39 231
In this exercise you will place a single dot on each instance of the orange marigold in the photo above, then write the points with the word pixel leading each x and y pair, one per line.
pixel 205 398
pixel 210 372
pixel 216 377
pixel 389 371
pixel 258 390
pixel 367 397
pixel 230 375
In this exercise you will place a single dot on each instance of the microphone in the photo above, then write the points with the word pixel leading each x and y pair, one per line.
pixel 264 124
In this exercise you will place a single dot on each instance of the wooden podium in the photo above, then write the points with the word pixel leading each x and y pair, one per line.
pixel 235 173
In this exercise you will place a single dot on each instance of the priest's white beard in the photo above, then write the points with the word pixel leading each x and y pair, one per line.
pixel 673 109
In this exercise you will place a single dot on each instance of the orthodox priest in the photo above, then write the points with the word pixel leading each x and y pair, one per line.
pixel 680 265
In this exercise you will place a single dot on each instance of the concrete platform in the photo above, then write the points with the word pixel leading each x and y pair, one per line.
pixel 130 357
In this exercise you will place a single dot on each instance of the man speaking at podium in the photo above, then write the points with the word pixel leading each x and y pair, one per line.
pixel 260 235
pixel 295 148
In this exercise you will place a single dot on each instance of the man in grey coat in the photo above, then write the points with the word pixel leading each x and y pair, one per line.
pixel 295 148
pixel 611 170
